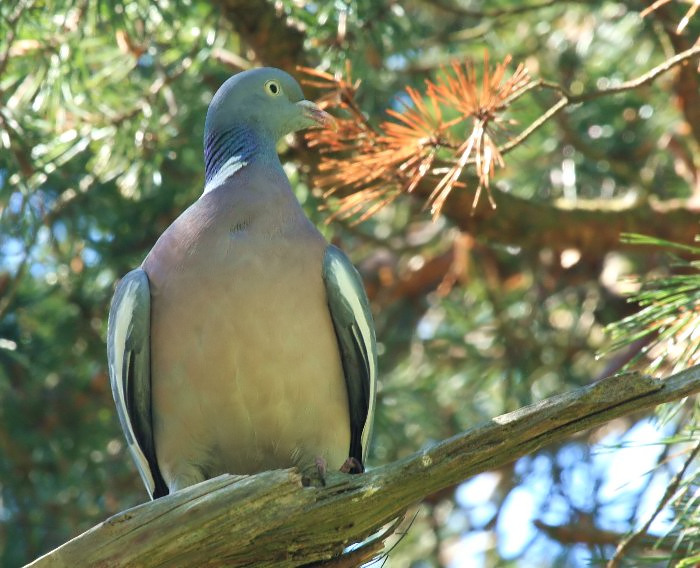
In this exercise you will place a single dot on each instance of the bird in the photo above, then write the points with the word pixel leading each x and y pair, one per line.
pixel 244 341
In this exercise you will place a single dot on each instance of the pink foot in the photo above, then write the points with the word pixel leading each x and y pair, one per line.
pixel 315 474
pixel 321 468
pixel 352 465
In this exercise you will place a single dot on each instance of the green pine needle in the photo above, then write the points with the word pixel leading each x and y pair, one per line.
pixel 670 312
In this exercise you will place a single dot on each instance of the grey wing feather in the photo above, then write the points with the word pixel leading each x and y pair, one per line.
pixel 354 328
pixel 128 353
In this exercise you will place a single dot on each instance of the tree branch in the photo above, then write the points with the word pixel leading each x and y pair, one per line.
pixel 645 79
pixel 568 99
pixel 584 533
pixel 453 8
pixel 266 30
pixel 591 226
pixel 269 519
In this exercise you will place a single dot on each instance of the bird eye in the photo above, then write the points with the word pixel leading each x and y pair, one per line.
pixel 273 87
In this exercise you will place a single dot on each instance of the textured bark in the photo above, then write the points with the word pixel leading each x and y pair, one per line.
pixel 269 519
pixel 592 227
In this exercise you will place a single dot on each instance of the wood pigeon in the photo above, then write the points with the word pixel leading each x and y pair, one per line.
pixel 245 341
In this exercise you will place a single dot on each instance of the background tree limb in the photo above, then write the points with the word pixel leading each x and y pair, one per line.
pixel 592 226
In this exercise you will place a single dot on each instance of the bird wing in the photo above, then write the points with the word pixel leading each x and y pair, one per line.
pixel 352 321
pixel 129 356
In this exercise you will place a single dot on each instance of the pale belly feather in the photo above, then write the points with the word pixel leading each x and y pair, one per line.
pixel 250 376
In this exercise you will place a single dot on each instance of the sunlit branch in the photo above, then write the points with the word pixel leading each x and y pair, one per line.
pixel 569 99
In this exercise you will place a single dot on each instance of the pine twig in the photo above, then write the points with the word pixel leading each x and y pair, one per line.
pixel 419 145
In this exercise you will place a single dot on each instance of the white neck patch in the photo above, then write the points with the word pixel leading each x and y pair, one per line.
pixel 230 167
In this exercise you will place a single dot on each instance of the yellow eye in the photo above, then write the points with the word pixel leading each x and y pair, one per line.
pixel 273 88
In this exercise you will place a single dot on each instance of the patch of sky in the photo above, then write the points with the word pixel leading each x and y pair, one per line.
pixel 522 506
pixel 14 204
pixel 514 527
pixel 474 497
pixel 401 101
pixel 396 62
pixel 98 236
pixel 624 463
pixel 11 254
pixel 37 268
pixel 146 60
pixel 470 551
pixel 428 324
pixel 557 510
pixel 60 232
pixel 90 256
pixel 612 474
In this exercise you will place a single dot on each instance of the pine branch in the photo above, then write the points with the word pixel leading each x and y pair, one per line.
pixel 372 167
pixel 592 226
pixel 568 99
pixel 269 519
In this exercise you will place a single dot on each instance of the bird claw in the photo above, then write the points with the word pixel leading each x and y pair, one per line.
pixel 352 465
pixel 318 474
pixel 321 468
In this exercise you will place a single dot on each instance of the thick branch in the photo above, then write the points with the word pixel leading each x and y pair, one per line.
pixel 269 519
pixel 593 227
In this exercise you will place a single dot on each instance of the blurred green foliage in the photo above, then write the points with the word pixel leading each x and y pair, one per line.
pixel 102 107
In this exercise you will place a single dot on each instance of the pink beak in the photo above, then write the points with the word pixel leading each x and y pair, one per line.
pixel 319 116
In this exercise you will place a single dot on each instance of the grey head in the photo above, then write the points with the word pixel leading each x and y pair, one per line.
pixel 249 113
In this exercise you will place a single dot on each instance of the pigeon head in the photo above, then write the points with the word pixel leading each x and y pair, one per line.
pixel 249 113
pixel 267 100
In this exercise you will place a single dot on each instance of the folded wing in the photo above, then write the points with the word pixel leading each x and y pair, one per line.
pixel 128 353
pixel 354 328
